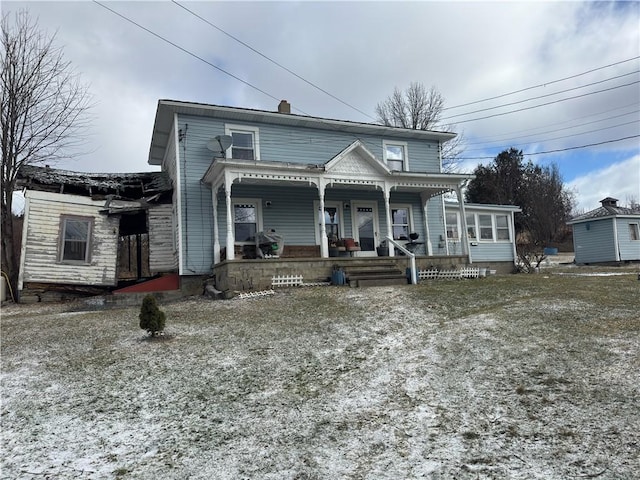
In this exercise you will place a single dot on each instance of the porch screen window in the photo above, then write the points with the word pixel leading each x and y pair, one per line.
pixel 452 226
pixel 486 227
pixel 75 239
pixel 243 145
pixel 634 234
pixel 400 223
pixel 395 155
pixel 502 227
pixel 245 222
pixel 471 226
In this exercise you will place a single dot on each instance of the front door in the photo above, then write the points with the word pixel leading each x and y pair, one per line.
pixel 365 228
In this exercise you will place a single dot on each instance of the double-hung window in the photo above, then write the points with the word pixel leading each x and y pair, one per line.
pixel 246 220
pixel 452 226
pixel 400 222
pixel 245 142
pixel 471 227
pixel 395 155
pixel 75 239
pixel 486 227
pixel 502 227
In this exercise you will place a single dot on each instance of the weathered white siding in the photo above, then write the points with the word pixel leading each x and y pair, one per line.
pixel 40 255
pixel 162 251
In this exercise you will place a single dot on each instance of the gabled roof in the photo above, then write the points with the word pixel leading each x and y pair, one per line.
pixel 606 211
pixel 95 185
pixel 168 108
pixel 357 159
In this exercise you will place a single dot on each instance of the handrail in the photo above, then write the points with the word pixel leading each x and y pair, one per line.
pixel 412 259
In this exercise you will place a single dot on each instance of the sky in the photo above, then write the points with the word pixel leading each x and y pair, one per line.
pixel 574 68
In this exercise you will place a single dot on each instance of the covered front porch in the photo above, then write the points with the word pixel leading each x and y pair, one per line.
pixel 353 196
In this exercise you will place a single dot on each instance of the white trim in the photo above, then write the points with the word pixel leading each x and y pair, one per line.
pixel 230 127
pixel 316 217
pixel 376 223
pixel 259 225
pixel 178 194
pixel 405 147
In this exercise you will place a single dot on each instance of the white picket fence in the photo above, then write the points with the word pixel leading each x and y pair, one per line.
pixel 286 281
pixel 433 274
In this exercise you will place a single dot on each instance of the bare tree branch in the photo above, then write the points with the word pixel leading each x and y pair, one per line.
pixel 43 110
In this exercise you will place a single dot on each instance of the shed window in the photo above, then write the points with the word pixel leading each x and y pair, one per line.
pixel 634 233
pixel 75 244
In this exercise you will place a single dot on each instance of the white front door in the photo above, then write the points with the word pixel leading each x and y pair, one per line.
pixel 366 229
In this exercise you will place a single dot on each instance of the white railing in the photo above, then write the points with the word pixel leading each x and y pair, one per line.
pixel 410 255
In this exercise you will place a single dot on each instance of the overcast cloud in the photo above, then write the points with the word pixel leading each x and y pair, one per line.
pixel 360 51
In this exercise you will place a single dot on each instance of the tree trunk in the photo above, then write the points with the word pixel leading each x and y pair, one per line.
pixel 8 254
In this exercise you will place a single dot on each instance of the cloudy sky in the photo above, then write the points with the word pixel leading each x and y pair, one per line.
pixel 573 65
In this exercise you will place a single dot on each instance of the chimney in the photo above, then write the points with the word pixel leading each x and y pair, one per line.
pixel 609 202
pixel 284 107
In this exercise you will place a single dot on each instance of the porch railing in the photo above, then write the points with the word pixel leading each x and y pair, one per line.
pixel 410 255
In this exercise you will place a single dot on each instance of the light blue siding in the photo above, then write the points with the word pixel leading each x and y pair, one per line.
pixel 593 241
pixel 629 249
pixel 492 252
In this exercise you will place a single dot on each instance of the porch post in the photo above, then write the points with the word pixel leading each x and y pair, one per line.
pixel 216 234
pixel 425 210
pixel 230 239
pixel 387 210
pixel 324 241
pixel 463 217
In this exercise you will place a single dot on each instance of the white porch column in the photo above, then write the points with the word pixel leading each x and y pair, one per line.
pixel 324 241
pixel 425 210
pixel 463 221
pixel 387 211
pixel 216 233
pixel 230 240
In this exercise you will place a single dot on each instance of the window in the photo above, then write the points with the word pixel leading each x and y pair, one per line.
pixel 502 227
pixel 452 226
pixel 246 215
pixel 471 226
pixel 245 142
pixel 634 234
pixel 486 227
pixel 75 239
pixel 332 222
pixel 400 223
pixel 395 155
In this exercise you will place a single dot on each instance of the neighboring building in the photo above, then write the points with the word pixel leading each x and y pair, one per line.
pixel 490 232
pixel 93 230
pixel 607 234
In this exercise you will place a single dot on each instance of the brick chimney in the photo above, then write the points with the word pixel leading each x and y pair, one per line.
pixel 284 107
pixel 609 202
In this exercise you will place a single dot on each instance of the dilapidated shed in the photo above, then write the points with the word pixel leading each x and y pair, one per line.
pixel 93 232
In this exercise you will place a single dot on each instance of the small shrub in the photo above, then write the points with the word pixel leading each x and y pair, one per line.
pixel 152 319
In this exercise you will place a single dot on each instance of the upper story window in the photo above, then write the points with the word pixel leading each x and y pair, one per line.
pixel 75 239
pixel 395 155
pixel 245 145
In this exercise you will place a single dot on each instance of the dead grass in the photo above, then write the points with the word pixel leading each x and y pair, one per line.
pixel 526 376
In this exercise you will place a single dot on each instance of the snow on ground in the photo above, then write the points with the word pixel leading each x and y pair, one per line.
pixel 324 383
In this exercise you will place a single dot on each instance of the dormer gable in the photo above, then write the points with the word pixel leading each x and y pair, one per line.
pixel 356 159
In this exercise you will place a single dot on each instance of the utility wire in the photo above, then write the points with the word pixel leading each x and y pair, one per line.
pixel 272 60
pixel 542 84
pixel 191 53
pixel 558 150
pixel 542 96
pixel 548 103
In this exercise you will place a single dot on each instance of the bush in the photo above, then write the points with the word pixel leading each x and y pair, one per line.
pixel 151 317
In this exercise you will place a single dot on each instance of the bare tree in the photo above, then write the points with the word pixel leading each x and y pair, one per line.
pixel 419 108
pixel 43 112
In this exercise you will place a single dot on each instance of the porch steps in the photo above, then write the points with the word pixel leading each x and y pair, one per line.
pixel 378 275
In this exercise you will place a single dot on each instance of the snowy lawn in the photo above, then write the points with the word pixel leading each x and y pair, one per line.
pixel 524 376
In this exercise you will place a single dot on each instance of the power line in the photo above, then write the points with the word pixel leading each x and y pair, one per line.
pixel 542 96
pixel 549 103
pixel 543 84
pixel 558 150
pixel 271 60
